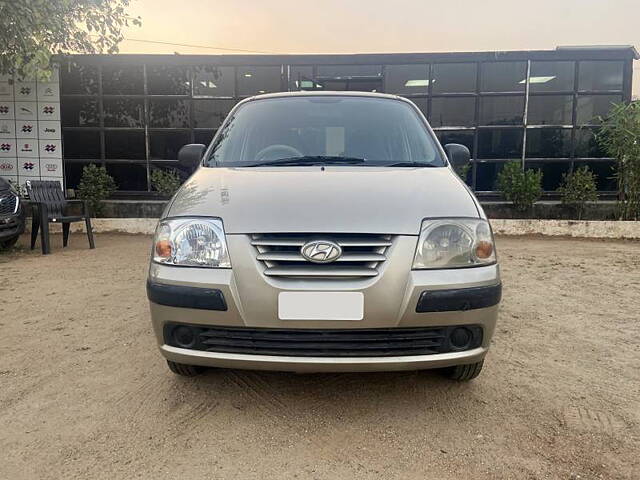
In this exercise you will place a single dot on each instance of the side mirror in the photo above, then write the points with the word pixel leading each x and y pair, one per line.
pixel 458 155
pixel 190 155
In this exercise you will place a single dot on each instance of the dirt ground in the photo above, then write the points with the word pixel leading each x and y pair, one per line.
pixel 85 394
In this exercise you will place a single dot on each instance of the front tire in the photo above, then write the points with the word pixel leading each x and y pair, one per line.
pixel 7 244
pixel 184 370
pixel 464 373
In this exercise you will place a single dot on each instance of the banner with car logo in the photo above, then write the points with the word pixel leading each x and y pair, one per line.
pixel 30 138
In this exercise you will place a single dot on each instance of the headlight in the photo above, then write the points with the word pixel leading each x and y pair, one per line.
pixel 454 243
pixel 191 242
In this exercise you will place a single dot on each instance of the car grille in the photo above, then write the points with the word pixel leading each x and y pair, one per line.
pixel 361 256
pixel 378 342
pixel 8 204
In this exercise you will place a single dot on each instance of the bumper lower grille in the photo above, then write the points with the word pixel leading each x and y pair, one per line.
pixel 282 257
pixel 379 342
pixel 8 204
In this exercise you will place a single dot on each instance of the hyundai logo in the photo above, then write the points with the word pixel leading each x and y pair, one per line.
pixel 321 251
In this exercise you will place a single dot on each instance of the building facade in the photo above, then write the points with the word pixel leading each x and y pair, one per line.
pixel 132 113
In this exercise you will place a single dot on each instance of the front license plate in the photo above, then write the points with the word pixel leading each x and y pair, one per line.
pixel 321 306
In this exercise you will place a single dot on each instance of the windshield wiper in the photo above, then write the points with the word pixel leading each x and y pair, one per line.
pixel 310 160
pixel 409 164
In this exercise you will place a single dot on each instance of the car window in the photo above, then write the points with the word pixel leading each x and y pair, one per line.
pixel 379 130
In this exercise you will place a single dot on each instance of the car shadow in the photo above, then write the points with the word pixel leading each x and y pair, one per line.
pixel 333 394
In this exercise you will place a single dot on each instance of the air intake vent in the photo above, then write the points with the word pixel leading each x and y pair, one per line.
pixel 375 342
pixel 8 204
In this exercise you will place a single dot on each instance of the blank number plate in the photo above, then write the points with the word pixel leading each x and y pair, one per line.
pixel 321 306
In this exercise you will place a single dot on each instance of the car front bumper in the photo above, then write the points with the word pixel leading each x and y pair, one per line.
pixel 320 364
pixel 397 298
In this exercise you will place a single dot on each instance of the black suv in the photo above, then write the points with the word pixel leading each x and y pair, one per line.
pixel 11 215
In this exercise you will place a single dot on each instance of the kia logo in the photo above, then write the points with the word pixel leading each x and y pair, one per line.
pixel 321 251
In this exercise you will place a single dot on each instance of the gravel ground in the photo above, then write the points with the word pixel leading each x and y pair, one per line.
pixel 85 394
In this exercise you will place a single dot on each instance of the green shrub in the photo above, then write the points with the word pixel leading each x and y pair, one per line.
pixel 578 188
pixel 167 182
pixel 95 186
pixel 522 187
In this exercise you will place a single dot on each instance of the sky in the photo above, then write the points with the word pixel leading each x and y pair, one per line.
pixel 375 26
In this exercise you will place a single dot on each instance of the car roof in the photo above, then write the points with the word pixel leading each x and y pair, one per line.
pixel 324 94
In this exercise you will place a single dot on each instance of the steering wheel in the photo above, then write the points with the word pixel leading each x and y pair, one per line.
pixel 274 152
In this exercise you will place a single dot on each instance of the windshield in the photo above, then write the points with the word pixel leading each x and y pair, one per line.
pixel 311 130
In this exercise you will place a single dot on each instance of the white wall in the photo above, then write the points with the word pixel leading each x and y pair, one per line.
pixel 30 134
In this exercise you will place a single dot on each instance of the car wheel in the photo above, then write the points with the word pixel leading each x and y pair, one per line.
pixel 7 244
pixel 184 370
pixel 464 373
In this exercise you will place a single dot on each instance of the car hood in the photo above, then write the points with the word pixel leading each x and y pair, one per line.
pixel 384 200
pixel 4 185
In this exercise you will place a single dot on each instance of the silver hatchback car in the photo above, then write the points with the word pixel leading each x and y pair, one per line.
pixel 324 232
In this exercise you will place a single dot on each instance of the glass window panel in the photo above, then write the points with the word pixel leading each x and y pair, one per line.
pixel 257 80
pixel 550 110
pixel 454 78
pixel 167 80
pixel 165 145
pixel 301 78
pixel 78 79
pixel 587 145
pixel 124 145
pixel 334 85
pixel 203 136
pixel 80 112
pixel 211 113
pixel 349 71
pixel 421 103
pixel 407 79
pixel 463 137
pixel 600 75
pixel 590 107
pixel 128 176
pixel 73 173
pixel 551 173
pixel 122 80
pixel 352 85
pixel 503 76
pixel 169 113
pixel 548 142
pixel 604 172
pixel 501 110
pixel 487 175
pixel 212 81
pixel 452 111
pixel 81 144
pixel 123 112
pixel 500 142
pixel 551 76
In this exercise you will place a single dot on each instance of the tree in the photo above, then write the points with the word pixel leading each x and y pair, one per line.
pixel 31 31
pixel 620 137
